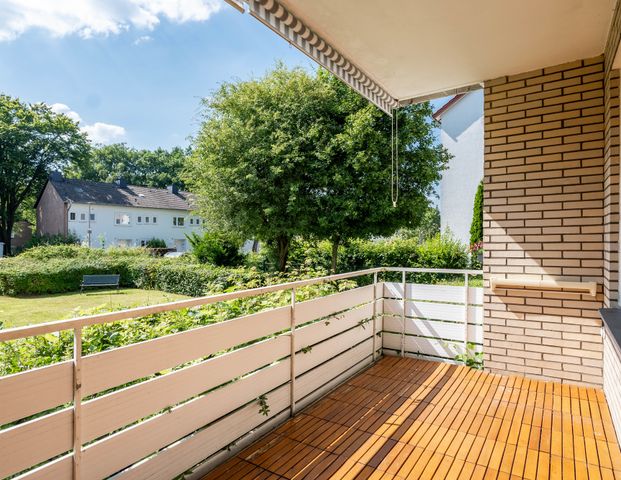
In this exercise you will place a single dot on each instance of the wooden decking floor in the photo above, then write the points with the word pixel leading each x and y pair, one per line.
pixel 406 418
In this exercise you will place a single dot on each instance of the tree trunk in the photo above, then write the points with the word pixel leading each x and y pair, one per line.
pixel 282 246
pixel 255 246
pixel 5 234
pixel 335 252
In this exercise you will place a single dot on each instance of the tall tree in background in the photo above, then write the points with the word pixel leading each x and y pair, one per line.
pixel 294 154
pixel 356 201
pixel 151 168
pixel 476 227
pixel 257 154
pixel 33 141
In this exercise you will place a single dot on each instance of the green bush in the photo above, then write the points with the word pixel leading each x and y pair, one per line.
pixel 156 243
pixel 38 240
pixel 216 248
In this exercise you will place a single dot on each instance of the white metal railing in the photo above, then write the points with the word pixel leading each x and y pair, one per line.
pixel 98 426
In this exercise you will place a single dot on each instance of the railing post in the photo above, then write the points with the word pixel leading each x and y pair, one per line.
pixel 404 295
pixel 292 362
pixel 466 312
pixel 77 402
pixel 374 316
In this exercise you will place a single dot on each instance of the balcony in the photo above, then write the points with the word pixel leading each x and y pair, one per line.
pixel 333 375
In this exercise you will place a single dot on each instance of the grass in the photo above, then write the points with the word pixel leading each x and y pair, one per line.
pixel 31 309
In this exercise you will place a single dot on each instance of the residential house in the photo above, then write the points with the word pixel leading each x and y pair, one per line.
pixel 461 133
pixel 115 214
pixel 547 403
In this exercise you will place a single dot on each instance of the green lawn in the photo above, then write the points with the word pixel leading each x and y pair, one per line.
pixel 27 310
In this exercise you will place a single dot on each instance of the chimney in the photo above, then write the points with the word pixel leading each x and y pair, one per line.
pixel 56 176
pixel 121 183
pixel 174 189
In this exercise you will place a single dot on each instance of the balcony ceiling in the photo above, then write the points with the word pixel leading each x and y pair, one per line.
pixel 419 48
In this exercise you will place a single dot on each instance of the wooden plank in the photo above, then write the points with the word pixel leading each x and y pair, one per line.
pixel 423 346
pixel 183 455
pixel 324 351
pixel 59 469
pixel 128 446
pixel 435 311
pixel 431 328
pixel 325 306
pixel 24 394
pixel 310 381
pixel 115 410
pixel 319 331
pixel 33 442
pixel 122 365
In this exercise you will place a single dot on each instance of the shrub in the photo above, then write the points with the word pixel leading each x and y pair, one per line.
pixel 156 243
pixel 216 248
pixel 38 240
pixel 476 228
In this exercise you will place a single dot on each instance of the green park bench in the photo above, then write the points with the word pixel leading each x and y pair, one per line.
pixel 99 281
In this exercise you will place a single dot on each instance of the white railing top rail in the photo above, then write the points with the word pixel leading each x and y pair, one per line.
pixel 59 325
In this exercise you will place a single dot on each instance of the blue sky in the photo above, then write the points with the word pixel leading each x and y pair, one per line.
pixel 132 75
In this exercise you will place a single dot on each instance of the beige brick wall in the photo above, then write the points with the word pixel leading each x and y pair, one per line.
pixel 547 215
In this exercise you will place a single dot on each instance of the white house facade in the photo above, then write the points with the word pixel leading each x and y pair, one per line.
pixel 106 215
pixel 461 132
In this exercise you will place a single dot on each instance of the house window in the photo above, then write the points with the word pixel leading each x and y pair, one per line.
pixel 154 219
pixel 121 218
pixel 72 216
pixel 82 217
pixel 178 221
pixel 139 219
pixel 146 219
pixel 125 243
pixel 191 221
pixel 198 221
pixel 92 217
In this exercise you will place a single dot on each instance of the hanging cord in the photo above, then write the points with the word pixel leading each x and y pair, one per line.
pixel 394 158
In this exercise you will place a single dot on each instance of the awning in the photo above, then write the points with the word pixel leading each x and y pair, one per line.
pixel 396 52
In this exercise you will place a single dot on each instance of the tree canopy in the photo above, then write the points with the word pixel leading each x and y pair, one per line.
pixel 33 141
pixel 299 154
pixel 150 168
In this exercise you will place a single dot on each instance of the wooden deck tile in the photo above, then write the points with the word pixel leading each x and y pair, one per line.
pixel 404 418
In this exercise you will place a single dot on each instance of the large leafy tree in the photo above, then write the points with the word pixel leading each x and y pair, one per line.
pixel 151 168
pixel 33 141
pixel 299 154
pixel 356 201
pixel 257 154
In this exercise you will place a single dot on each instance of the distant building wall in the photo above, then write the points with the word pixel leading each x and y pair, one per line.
pixel 462 134
pixel 51 217
pixel 140 226
pixel 22 233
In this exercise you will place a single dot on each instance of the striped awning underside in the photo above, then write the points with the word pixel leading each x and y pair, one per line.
pixel 275 16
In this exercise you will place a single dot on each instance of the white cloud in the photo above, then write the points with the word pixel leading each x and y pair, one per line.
pixel 143 39
pixel 62 108
pixel 98 132
pixel 88 18
pixel 104 132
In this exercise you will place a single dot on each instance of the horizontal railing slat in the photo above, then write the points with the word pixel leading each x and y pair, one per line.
pixel 434 311
pixel 431 293
pixel 324 351
pixel 33 442
pixel 49 327
pixel 331 304
pixel 183 455
pixel 430 328
pixel 424 346
pixel 59 469
pixel 119 366
pixel 24 394
pixel 319 331
pixel 107 413
pixel 316 378
pixel 122 449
